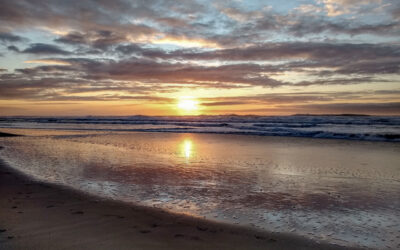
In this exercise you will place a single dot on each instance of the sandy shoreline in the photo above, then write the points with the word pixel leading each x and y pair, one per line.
pixel 36 215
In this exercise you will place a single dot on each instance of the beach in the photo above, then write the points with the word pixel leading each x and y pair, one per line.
pixel 102 190
pixel 36 215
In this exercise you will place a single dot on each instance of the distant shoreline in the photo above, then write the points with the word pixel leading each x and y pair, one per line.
pixel 331 115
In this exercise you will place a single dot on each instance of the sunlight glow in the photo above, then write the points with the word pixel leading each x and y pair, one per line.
pixel 48 61
pixel 186 42
pixel 188 104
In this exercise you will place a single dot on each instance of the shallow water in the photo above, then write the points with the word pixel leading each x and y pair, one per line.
pixel 344 192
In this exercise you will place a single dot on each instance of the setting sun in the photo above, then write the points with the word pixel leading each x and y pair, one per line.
pixel 188 104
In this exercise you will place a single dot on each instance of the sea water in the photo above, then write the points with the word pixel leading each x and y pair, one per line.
pixel 351 127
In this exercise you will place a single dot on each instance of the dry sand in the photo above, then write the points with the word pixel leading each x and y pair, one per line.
pixel 35 215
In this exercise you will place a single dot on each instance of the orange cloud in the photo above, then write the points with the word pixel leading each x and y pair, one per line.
pixel 48 61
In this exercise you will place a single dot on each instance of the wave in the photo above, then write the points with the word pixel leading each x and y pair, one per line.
pixel 351 127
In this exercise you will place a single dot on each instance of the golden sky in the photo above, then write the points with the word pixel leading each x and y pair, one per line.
pixel 199 57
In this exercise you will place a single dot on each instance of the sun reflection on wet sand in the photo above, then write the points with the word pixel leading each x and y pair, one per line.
pixel 186 148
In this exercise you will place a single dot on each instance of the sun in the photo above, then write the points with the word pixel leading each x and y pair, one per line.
pixel 188 104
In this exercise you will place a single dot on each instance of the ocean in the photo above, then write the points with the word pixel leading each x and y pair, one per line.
pixel 351 127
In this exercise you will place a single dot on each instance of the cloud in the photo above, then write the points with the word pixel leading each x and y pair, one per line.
pixel 224 103
pixel 238 75
pixel 73 38
pixel 227 76
pixel 53 83
pixel 368 102
pixel 45 49
pixel 309 21
pixel 278 51
pixel 13 48
pixel 303 26
pixel 341 81
pixel 129 49
pixel 395 11
pixel 79 75
pixel 366 68
pixel 9 37
pixel 310 9
pixel 341 7
pixel 241 15
pixel 286 98
pixel 46 69
pixel 98 39
pixel 101 24
pixel 48 61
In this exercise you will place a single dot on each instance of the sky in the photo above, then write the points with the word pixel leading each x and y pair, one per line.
pixel 187 57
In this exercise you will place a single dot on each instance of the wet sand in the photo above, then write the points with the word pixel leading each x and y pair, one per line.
pixel 35 215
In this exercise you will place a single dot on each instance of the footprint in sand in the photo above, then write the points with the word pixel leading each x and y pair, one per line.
pixel 202 228
pixel 77 212
pixel 259 237
pixel 184 236
pixel 114 215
